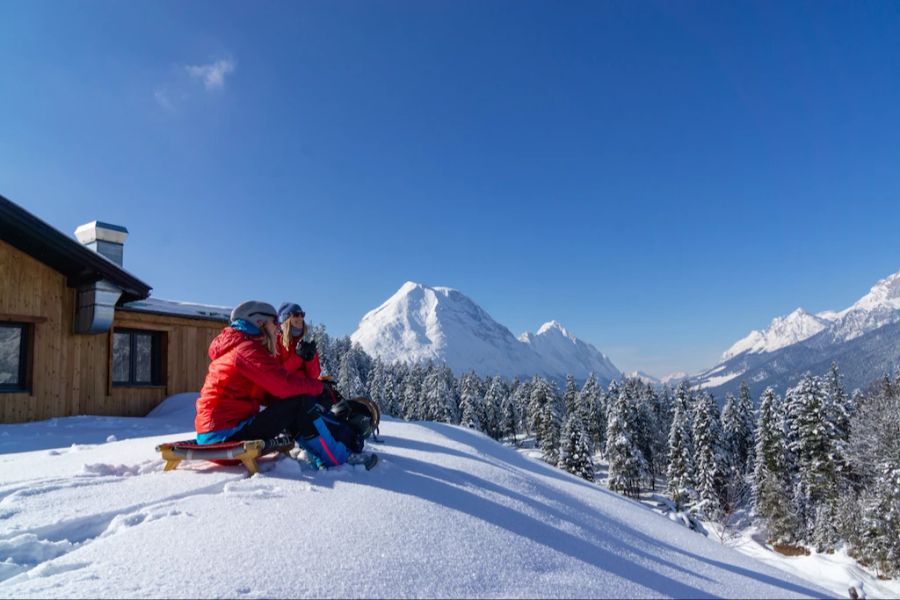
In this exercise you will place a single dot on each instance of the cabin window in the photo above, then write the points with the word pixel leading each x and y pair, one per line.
pixel 137 357
pixel 14 356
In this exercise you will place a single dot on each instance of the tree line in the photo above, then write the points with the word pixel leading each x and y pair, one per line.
pixel 816 467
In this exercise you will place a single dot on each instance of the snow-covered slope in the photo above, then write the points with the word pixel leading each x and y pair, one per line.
pixel 447 513
pixel 796 342
pixel 438 323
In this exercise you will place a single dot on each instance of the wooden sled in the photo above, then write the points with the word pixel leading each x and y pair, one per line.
pixel 223 453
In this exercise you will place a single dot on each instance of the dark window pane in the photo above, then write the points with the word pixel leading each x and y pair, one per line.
pixel 143 363
pixel 121 358
pixel 10 354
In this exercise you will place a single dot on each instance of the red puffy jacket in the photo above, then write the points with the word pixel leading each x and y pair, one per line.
pixel 240 376
pixel 292 362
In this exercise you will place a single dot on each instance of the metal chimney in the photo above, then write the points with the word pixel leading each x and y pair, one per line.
pixel 95 304
pixel 104 239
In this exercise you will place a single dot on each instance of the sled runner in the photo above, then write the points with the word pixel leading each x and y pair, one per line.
pixel 223 453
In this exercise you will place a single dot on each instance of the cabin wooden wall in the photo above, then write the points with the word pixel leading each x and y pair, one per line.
pixel 71 373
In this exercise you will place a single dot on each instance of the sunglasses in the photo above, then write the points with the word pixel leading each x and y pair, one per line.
pixel 298 313
pixel 265 314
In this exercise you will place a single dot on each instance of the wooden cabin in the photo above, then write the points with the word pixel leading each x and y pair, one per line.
pixel 79 335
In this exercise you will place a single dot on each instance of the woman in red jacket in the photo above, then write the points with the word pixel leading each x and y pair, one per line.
pixel 244 375
pixel 294 352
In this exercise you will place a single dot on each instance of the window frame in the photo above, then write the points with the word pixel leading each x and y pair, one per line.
pixel 157 359
pixel 26 352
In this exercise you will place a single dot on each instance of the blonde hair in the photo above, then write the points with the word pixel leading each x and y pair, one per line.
pixel 268 341
pixel 286 333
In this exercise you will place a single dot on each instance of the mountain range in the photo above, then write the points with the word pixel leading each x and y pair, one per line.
pixel 864 340
pixel 441 324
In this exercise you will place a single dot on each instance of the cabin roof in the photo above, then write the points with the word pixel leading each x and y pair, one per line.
pixel 79 264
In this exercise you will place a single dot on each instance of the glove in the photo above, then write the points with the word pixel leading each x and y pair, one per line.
pixel 330 392
pixel 306 350
pixel 341 408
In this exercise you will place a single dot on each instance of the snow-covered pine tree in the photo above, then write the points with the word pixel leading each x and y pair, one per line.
pixel 604 401
pixel 521 398
pixel 510 416
pixel 874 453
pixel 771 479
pixel 551 423
pixel 351 379
pixel 375 385
pixel 638 420
pixel 746 429
pixel 536 401
pixel 839 411
pixel 575 452
pixel 883 520
pixel 412 393
pixel 812 441
pixel 587 405
pixel 730 433
pixel 390 403
pixel 437 393
pixel 494 398
pixel 680 473
pixel 570 395
pixel 627 467
pixel 709 459
pixel 470 402
pixel 659 420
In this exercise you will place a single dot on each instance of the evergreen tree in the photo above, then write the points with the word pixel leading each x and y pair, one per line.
pixel 812 442
pixel 839 412
pixel 469 402
pixel 390 404
pixel 437 391
pixel 680 473
pixel 627 467
pixel 570 395
pixel 575 453
pixel 521 400
pixel 494 398
pixel 551 423
pixel 510 416
pixel 745 432
pixel 536 401
pixel 587 405
pixel 874 453
pixel 771 479
pixel 411 395
pixel 375 385
pixel 351 377
pixel 709 474
pixel 883 520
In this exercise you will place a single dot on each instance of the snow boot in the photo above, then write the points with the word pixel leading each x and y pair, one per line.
pixel 369 459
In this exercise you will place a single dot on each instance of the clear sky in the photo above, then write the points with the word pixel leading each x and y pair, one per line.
pixel 661 178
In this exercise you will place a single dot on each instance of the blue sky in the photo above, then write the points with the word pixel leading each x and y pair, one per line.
pixel 659 177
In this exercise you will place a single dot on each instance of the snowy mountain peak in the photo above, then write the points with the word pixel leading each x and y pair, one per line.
pixel 782 331
pixel 551 326
pixel 760 357
pixel 885 293
pixel 645 377
pixel 420 323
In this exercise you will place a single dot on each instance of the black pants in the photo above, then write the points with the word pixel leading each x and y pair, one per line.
pixel 294 415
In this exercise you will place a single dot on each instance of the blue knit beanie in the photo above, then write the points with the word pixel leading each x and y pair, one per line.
pixel 285 310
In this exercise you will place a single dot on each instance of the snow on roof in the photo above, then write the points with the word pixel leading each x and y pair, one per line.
pixel 183 309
